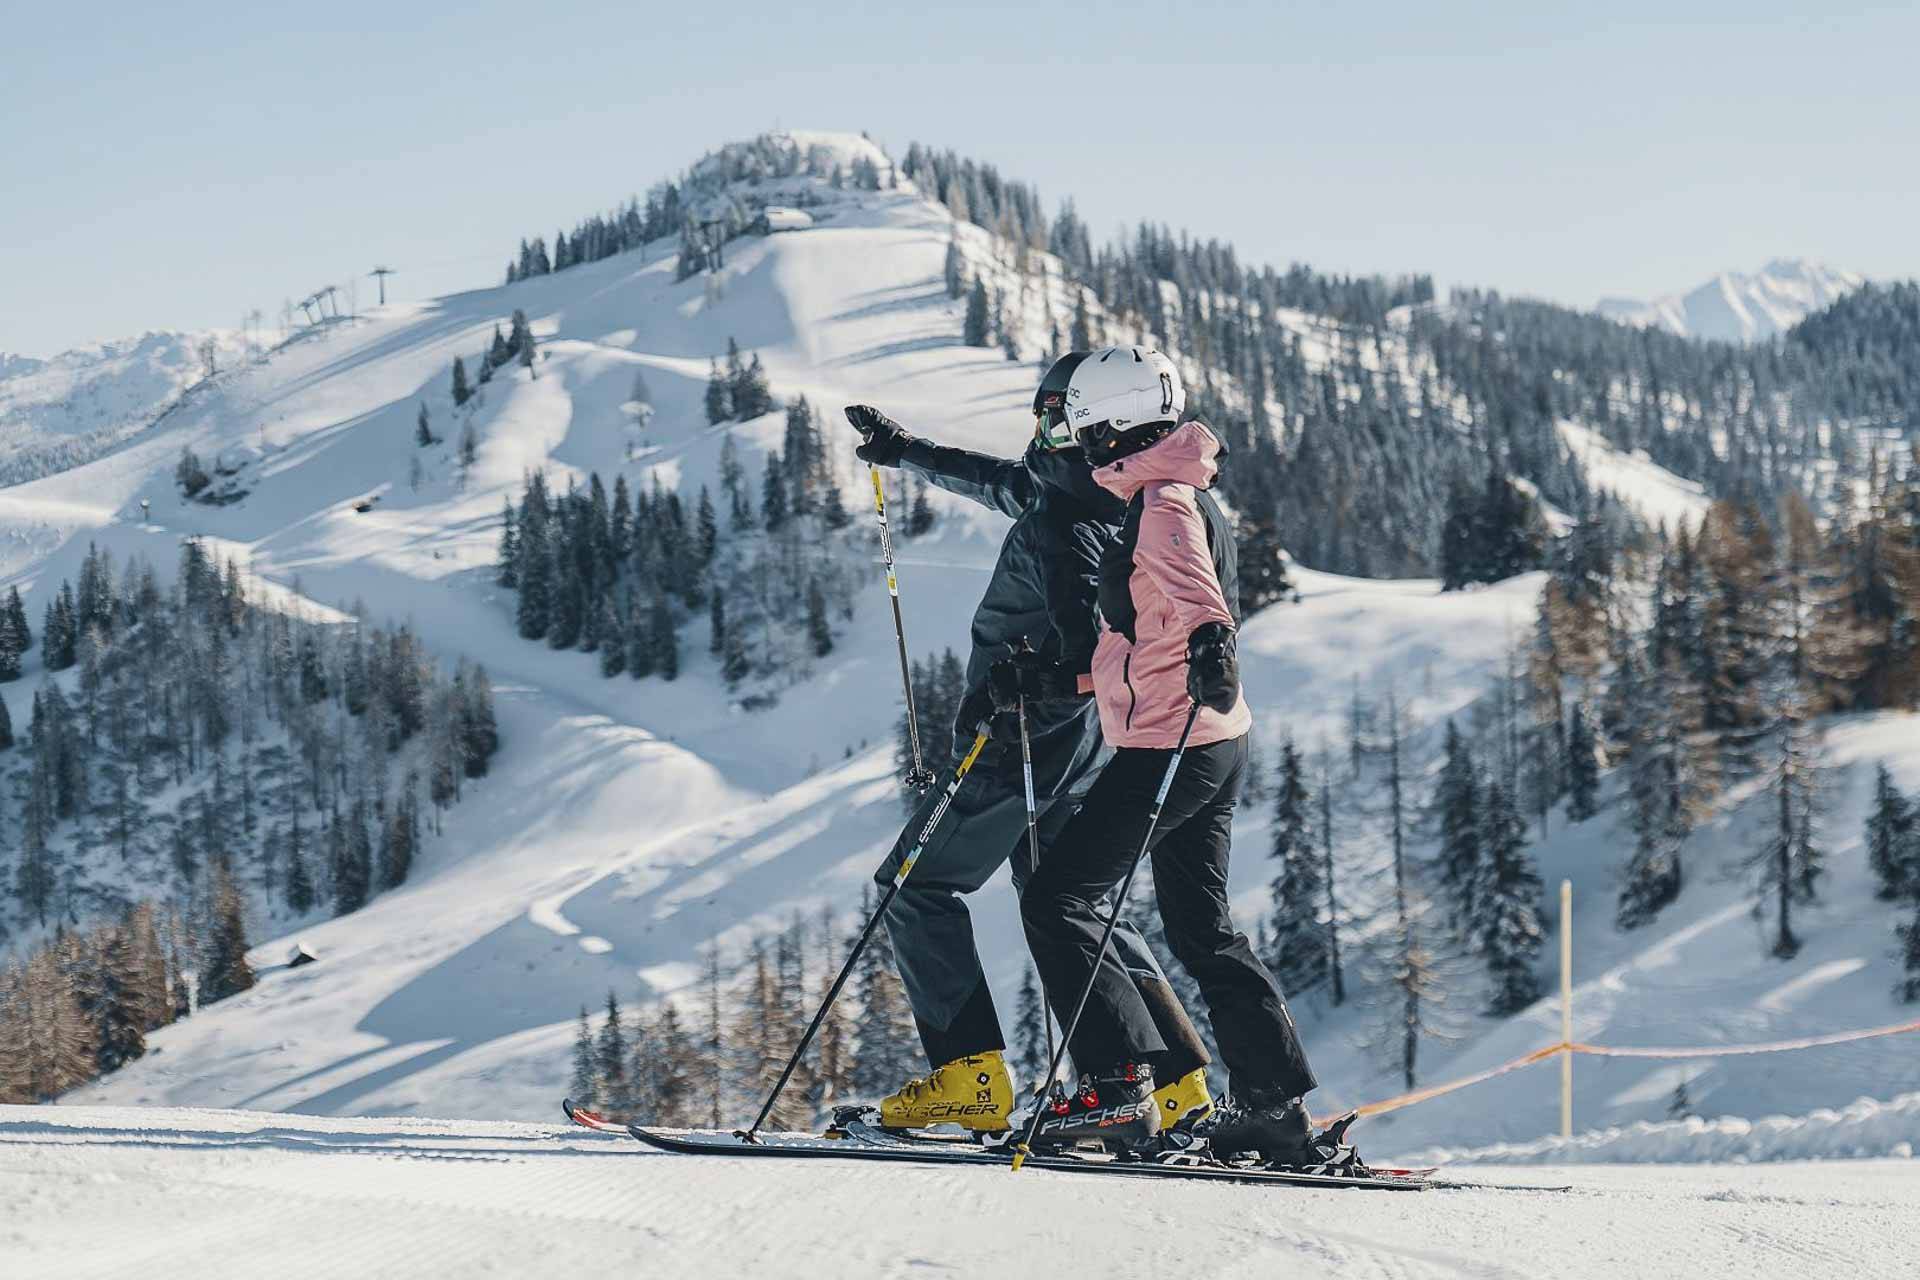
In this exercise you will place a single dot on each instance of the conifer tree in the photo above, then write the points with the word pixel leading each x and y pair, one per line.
pixel 920 511
pixel 976 330
pixel 773 493
pixel 664 639
pixel 1787 866
pixel 16 620
pixel 6 726
pixel 719 400
pixel 612 635
pixel 955 270
pixel 819 634
pixel 226 971
pixel 584 1088
pixel 299 881
pixel 1299 951
pixel 1583 767
pixel 1081 335
pixel 1893 840
pixel 461 391
pixel 1506 907
pixel 711 1062
pixel 422 432
pixel 1457 805
pixel 1908 988
pixel 610 1062
pixel 706 529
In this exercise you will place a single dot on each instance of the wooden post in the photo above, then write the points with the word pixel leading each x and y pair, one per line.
pixel 1566 1008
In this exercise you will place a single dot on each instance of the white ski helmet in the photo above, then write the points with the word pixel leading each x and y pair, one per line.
pixel 1124 387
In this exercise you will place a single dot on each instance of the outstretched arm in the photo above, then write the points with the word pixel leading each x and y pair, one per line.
pixel 1003 484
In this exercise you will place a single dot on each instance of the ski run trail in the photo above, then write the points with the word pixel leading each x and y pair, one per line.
pixel 627 824
pixel 114 1191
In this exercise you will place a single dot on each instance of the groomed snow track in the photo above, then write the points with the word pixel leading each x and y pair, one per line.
pixel 109 1191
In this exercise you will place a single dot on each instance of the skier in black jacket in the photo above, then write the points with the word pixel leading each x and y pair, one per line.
pixel 1044 589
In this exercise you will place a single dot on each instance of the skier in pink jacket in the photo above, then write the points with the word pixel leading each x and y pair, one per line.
pixel 1168 591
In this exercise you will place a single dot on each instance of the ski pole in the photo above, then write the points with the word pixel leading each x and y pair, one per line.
pixel 1033 850
pixel 1025 1146
pixel 919 777
pixel 960 772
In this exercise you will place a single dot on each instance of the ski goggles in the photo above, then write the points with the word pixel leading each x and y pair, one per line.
pixel 1050 429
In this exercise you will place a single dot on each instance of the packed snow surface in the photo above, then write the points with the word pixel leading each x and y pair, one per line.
pixel 114 1191
pixel 1737 307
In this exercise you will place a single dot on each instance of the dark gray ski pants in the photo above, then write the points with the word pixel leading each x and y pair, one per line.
pixel 932 931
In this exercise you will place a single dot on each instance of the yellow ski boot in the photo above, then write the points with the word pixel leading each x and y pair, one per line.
pixel 974 1092
pixel 1185 1102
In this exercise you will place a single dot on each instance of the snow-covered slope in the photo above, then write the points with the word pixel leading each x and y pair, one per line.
pixel 627 824
pixel 96 1192
pixel 1736 307
pixel 69 408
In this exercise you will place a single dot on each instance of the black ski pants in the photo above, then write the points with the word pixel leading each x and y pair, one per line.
pixel 932 930
pixel 1064 909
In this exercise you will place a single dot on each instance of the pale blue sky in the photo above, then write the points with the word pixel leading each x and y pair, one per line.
pixel 173 165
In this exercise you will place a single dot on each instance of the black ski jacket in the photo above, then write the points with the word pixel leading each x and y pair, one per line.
pixel 1045 586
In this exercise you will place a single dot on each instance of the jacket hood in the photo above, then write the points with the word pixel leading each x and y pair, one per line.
pixel 1069 472
pixel 1186 455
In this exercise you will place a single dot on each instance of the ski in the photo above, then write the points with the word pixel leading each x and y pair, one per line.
pixel 866 1131
pixel 857 1141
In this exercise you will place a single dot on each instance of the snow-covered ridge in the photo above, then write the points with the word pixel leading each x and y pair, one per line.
pixel 1736 307
pixel 67 409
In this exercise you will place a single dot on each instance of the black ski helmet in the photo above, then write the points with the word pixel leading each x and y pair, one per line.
pixel 1050 427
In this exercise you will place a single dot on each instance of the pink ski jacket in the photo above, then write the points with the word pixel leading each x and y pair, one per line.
pixel 1141 684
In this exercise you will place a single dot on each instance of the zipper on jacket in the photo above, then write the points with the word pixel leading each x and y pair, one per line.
pixel 1126 678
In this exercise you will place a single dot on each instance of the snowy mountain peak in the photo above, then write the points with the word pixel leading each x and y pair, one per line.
pixel 1736 307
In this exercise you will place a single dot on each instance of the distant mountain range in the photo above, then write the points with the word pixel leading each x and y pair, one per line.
pixel 1736 307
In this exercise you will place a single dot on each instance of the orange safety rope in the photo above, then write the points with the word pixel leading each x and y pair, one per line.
pixel 1776 1046
pixel 1604 1051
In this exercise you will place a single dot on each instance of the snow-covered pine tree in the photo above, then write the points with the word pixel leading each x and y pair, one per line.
pixel 1893 840
pixel 1459 813
pixel 919 510
pixel 711 1067
pixel 752 396
pixel 610 1061
pixel 612 633
pixel 1506 906
pixel 1583 767
pixel 1336 974
pixel 976 330
pixel 1298 936
pixel 1788 864
pixel 226 971
pixel 584 1089
pixel 422 429
pixel 955 270
pixel 819 633
pixel 773 493
pixel 664 639
pixel 1664 794
pixel 1411 988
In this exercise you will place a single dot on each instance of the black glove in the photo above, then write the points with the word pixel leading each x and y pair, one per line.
pixel 1028 675
pixel 882 439
pixel 1213 673
pixel 978 706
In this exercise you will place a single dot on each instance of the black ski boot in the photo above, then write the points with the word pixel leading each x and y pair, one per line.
pixel 1279 1131
pixel 1113 1107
